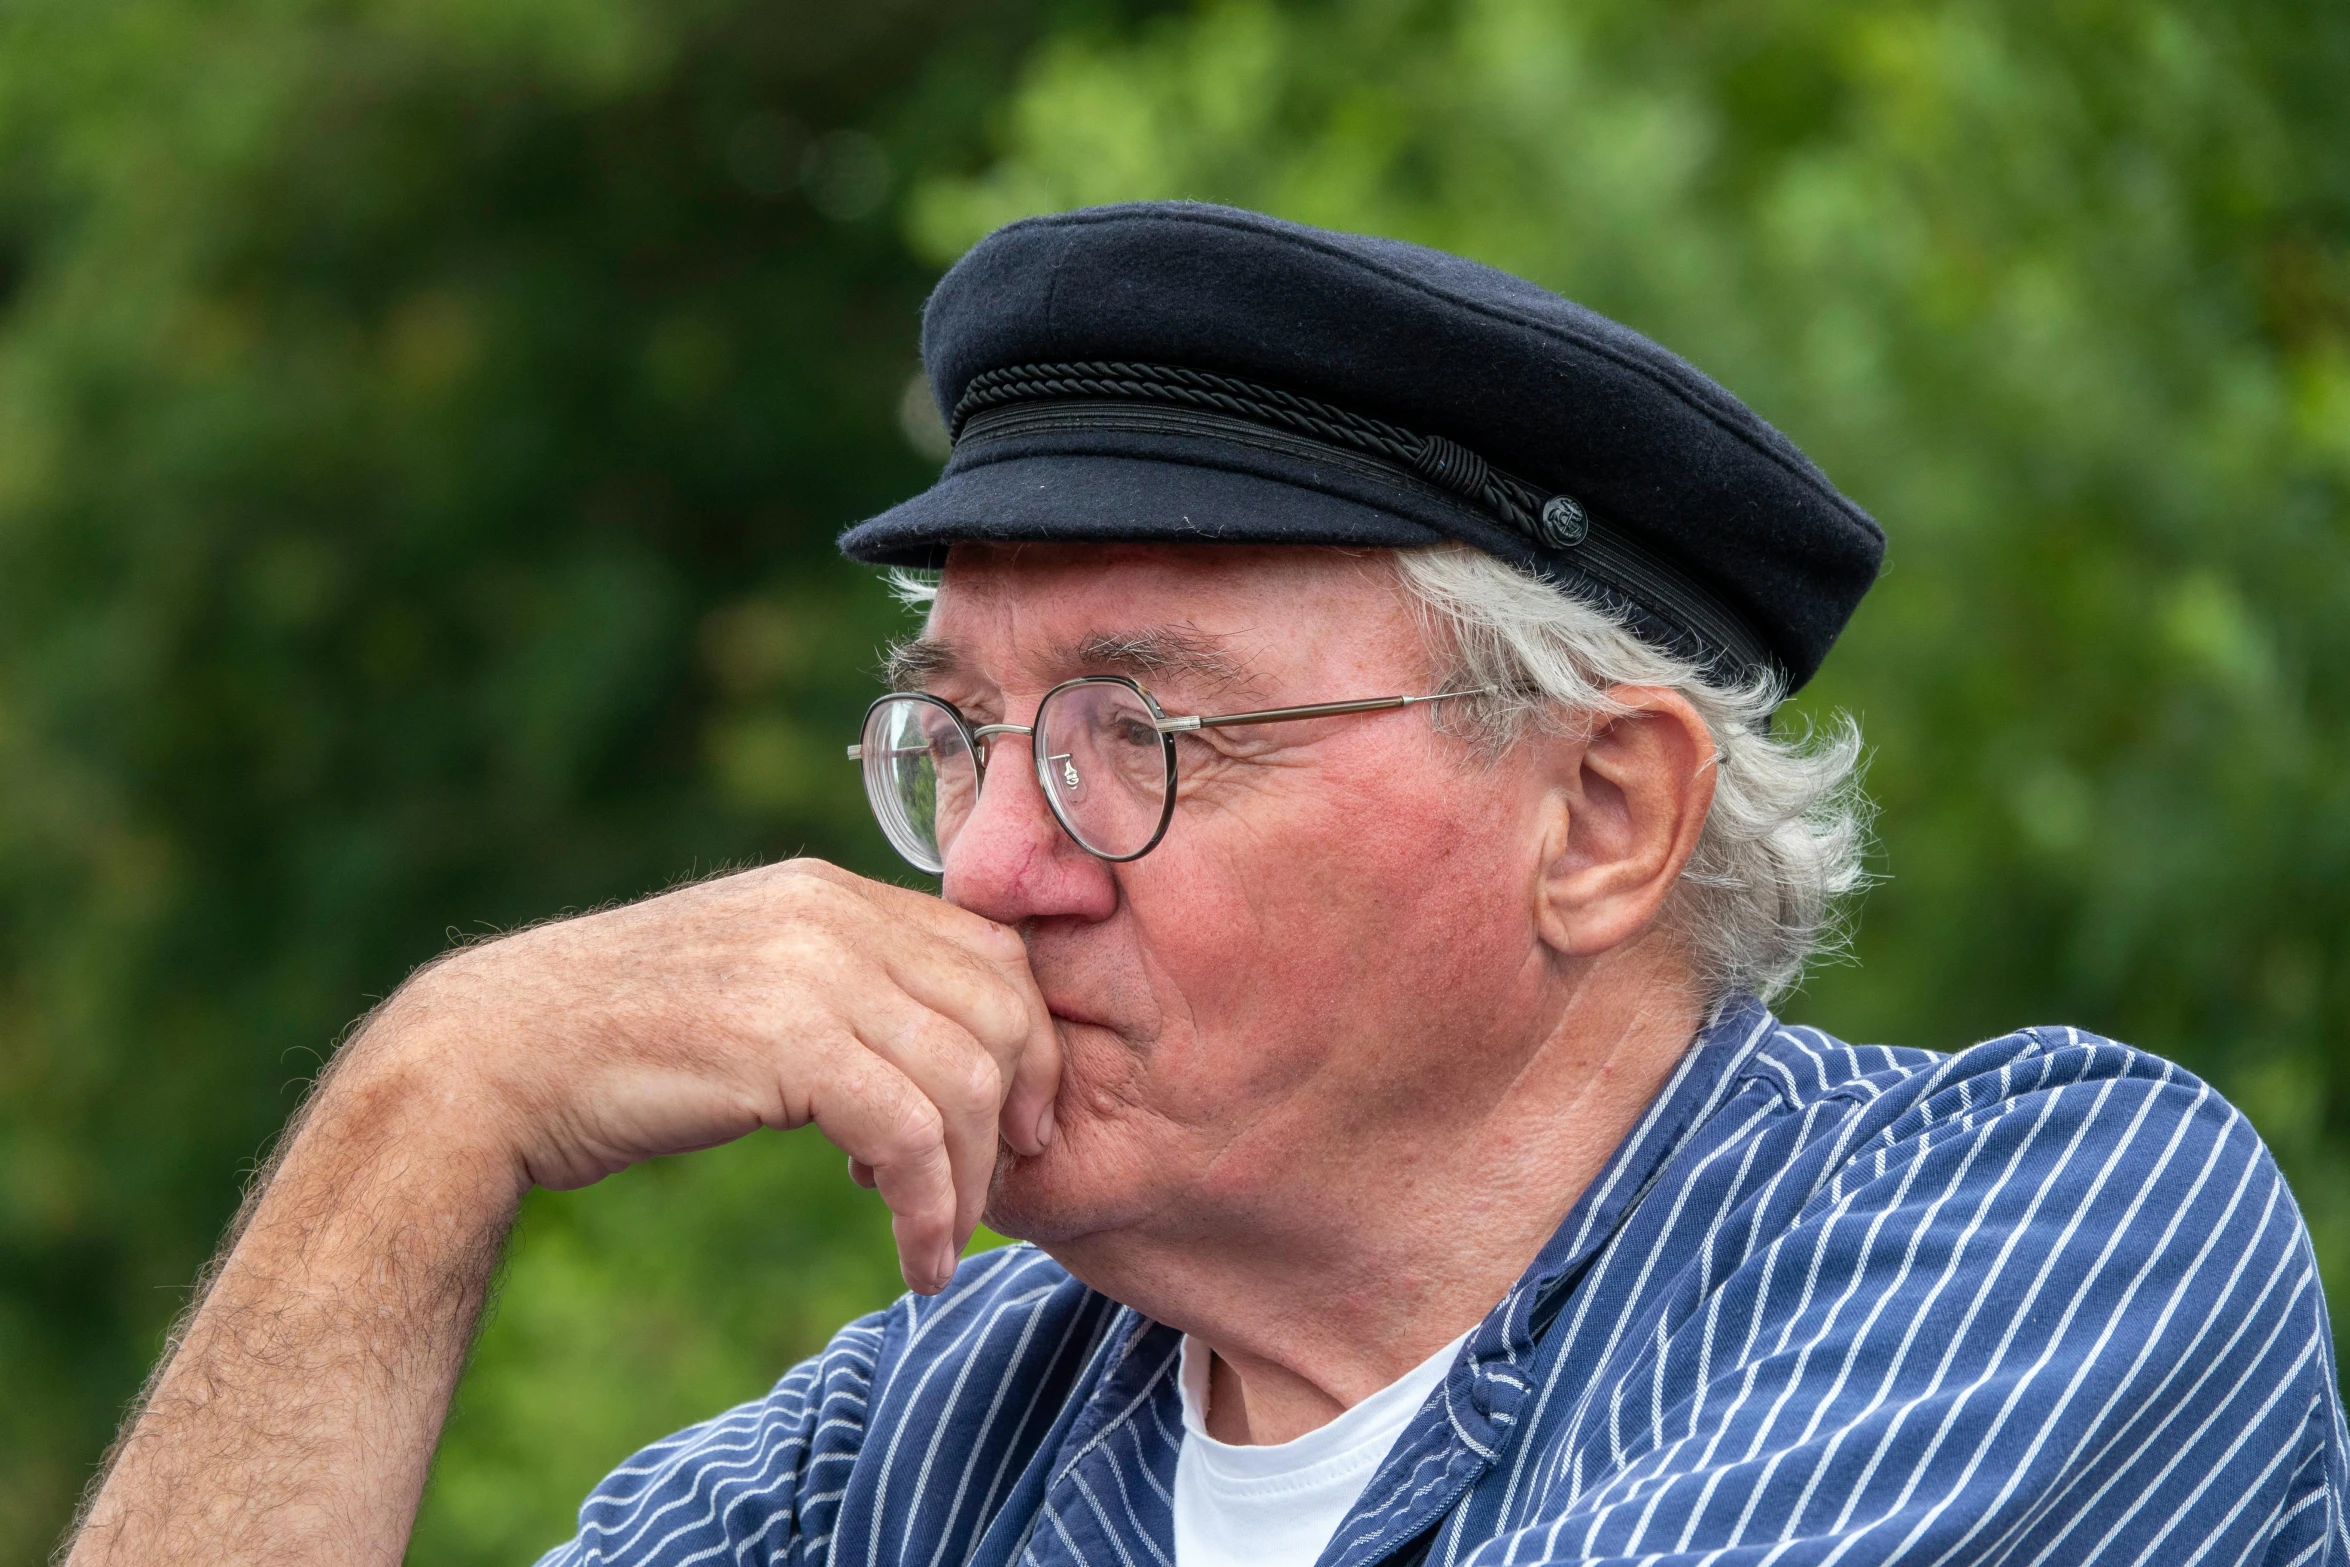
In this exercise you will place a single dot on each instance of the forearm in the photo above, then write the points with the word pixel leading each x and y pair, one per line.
pixel 297 1415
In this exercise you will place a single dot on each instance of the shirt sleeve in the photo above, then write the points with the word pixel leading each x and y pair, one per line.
pixel 761 1482
pixel 2059 1314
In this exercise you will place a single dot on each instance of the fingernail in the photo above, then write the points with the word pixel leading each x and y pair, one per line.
pixel 945 1272
pixel 1044 1127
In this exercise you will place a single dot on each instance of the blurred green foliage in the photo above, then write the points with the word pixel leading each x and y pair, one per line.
pixel 423 425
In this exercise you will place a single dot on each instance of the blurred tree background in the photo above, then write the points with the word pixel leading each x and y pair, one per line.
pixel 423 424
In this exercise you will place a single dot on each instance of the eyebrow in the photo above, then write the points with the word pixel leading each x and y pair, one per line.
pixel 1161 651
pixel 913 663
pixel 1154 652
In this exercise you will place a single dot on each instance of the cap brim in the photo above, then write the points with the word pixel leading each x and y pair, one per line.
pixel 1104 499
pixel 1097 498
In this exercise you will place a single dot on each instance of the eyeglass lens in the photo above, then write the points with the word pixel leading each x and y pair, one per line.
pixel 1104 767
pixel 919 777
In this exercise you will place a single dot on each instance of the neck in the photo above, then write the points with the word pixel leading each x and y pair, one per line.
pixel 1337 1263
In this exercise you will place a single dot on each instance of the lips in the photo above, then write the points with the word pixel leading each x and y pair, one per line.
pixel 1068 1013
pixel 1067 1008
pixel 1091 995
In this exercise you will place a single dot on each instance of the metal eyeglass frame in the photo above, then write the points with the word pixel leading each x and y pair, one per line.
pixel 976 736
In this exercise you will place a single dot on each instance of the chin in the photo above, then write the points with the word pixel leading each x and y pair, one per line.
pixel 1083 1185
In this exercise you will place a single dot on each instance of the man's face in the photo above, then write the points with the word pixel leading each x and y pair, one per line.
pixel 1330 957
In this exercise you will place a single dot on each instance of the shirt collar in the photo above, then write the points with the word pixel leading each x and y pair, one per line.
pixel 1124 1442
pixel 1484 1398
pixel 1503 1343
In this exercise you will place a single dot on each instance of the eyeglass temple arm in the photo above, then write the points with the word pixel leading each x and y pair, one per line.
pixel 1270 715
pixel 1275 715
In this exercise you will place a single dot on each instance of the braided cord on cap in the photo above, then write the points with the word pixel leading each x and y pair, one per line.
pixel 1446 464
pixel 1020 398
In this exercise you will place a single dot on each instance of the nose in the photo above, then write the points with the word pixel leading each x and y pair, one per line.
pixel 1012 862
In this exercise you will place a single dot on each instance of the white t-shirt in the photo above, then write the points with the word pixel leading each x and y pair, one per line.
pixel 1278 1506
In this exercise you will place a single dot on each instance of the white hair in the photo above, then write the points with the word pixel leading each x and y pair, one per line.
pixel 1766 890
pixel 1780 855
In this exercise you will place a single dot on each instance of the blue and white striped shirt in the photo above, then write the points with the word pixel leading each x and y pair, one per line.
pixel 2044 1302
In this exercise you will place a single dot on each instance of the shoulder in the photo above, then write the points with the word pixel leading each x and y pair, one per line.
pixel 2052 1165
pixel 777 1468
pixel 1803 1064
pixel 2051 1147
pixel 741 1474
pixel 2046 1299
pixel 2045 1070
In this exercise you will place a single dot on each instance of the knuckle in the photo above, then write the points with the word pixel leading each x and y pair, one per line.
pixel 999 936
pixel 803 892
pixel 981 1088
pixel 806 873
pixel 1005 945
pixel 1001 1014
pixel 916 1129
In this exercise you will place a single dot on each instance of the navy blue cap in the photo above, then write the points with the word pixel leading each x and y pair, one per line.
pixel 1176 372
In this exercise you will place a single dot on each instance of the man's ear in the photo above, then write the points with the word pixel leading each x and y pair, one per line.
pixel 1627 807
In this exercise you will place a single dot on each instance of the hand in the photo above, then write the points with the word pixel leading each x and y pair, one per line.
pixel 908 1030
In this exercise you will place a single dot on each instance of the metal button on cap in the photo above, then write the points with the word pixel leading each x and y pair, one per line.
pixel 1565 524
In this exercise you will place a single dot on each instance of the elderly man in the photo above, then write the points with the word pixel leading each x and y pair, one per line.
pixel 1342 727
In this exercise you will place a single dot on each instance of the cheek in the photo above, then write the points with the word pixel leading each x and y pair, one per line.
pixel 1416 900
pixel 1346 919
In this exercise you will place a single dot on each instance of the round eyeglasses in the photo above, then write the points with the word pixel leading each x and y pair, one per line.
pixel 1103 748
